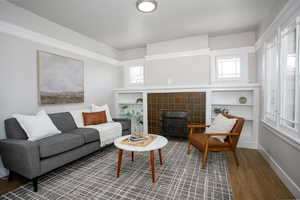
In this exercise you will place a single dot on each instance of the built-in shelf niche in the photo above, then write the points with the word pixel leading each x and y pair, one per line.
pixel 229 99
pixel 128 100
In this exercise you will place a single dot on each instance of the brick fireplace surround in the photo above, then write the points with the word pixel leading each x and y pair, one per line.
pixel 192 102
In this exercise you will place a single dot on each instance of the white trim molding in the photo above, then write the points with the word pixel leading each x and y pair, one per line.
pixel 132 62
pixel 191 87
pixel 178 54
pixel 289 10
pixel 249 49
pixel 284 177
pixel 200 52
pixel 21 32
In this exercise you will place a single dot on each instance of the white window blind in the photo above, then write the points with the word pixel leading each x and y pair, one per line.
pixel 228 67
pixel 136 75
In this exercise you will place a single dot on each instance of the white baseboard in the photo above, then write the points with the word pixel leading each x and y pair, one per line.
pixel 247 144
pixel 284 177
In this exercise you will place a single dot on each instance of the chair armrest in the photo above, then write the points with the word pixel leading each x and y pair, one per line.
pixel 21 156
pixel 197 126
pixel 222 134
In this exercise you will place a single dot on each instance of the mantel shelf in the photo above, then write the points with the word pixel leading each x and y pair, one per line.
pixel 246 118
pixel 230 104
pixel 130 103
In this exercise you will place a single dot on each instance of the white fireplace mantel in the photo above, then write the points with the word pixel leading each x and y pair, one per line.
pixel 187 87
pixel 225 96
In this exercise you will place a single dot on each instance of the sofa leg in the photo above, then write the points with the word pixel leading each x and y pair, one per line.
pixel 11 176
pixel 35 184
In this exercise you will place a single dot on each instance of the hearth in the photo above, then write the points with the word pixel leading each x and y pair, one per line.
pixel 174 123
pixel 193 103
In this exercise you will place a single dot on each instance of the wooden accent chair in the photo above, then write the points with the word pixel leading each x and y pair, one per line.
pixel 205 143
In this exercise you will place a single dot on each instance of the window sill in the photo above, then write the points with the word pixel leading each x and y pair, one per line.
pixel 295 142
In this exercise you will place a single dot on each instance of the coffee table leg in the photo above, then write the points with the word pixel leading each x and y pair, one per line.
pixel 152 165
pixel 132 156
pixel 160 156
pixel 120 153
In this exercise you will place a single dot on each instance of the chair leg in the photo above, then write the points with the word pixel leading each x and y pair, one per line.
pixel 204 159
pixel 235 158
pixel 189 148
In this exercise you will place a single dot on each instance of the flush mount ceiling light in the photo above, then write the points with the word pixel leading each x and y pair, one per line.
pixel 146 6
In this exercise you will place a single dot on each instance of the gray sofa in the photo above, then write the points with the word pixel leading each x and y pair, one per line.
pixel 32 159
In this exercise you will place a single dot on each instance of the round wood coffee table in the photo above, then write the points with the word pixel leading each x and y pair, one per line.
pixel 157 144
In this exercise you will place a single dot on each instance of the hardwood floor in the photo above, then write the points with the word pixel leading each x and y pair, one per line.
pixel 252 180
pixel 6 186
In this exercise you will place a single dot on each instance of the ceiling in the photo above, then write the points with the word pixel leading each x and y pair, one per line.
pixel 118 23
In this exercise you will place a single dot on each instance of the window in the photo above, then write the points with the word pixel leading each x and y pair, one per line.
pixel 136 75
pixel 271 63
pixel 228 67
pixel 289 68
pixel 281 83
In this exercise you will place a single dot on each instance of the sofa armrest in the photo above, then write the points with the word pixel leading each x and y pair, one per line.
pixel 126 125
pixel 21 156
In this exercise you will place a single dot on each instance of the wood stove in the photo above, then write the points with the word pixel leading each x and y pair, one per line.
pixel 174 123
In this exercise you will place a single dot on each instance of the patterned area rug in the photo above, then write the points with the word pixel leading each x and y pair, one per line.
pixel 94 177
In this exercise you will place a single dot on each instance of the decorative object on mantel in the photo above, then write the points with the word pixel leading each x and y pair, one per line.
pixel 219 110
pixel 243 100
pixel 60 79
pixel 139 100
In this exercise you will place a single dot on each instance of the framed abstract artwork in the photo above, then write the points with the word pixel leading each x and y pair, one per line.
pixel 60 79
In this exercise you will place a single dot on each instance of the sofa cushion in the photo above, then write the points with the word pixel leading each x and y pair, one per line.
pixel 14 130
pixel 57 144
pixel 89 134
pixel 37 126
pixel 94 118
pixel 63 121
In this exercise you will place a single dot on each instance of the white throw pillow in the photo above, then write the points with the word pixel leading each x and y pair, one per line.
pixel 37 126
pixel 77 116
pixel 102 108
pixel 221 124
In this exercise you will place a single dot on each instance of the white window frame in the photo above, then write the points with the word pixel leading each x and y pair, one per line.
pixel 271 118
pixel 127 65
pixel 294 132
pixel 242 53
pixel 290 132
pixel 218 68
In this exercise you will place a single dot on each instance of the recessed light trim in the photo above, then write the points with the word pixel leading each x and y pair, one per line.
pixel 146 6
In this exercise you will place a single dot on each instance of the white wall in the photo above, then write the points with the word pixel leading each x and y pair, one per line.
pixel 281 152
pixel 132 54
pixel 195 69
pixel 190 70
pixel 232 41
pixel 18 66
pixel 18 79
pixel 179 45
